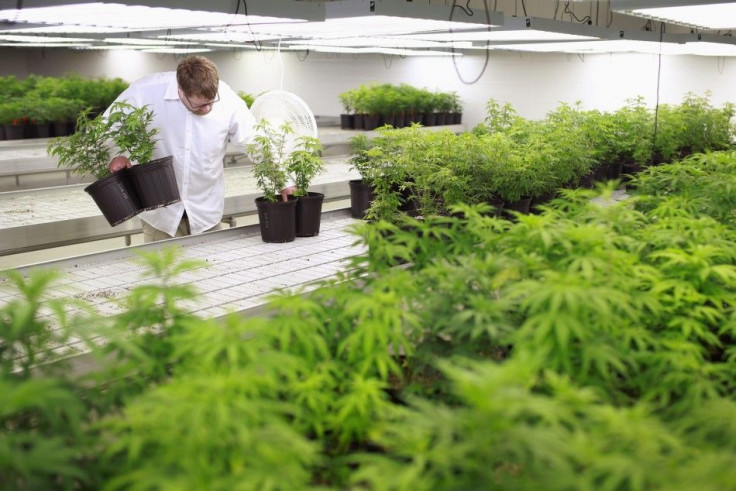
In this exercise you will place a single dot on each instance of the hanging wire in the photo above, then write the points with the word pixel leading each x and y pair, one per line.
pixel 584 20
pixel 487 51
pixel 256 42
pixel 720 64
pixel 590 14
pixel 597 12
pixel 281 64
pixel 306 55
pixel 468 11
pixel 659 85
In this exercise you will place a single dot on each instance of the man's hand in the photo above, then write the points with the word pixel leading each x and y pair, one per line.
pixel 286 192
pixel 119 163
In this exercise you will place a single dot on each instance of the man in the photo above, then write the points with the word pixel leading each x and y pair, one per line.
pixel 196 114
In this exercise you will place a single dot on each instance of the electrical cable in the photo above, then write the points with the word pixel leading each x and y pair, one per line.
pixel 659 85
pixel 590 14
pixel 584 20
pixel 256 43
pixel 306 55
pixel 487 51
pixel 281 64
pixel 468 11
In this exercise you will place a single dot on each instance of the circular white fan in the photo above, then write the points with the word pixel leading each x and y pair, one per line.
pixel 278 107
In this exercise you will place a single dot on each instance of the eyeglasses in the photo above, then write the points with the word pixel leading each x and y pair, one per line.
pixel 200 106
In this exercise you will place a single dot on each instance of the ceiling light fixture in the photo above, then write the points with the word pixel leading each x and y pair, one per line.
pixel 137 15
pixel 380 42
pixel 698 14
pixel 615 42
pixel 352 18
pixel 524 29
pixel 371 50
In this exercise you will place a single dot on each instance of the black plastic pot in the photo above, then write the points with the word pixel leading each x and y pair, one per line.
pixel 347 121
pixel 14 132
pixel 361 197
pixel 538 201
pixel 522 205
pixel 116 197
pixel 371 121
pixel 277 219
pixel 309 214
pixel 429 119
pixel 586 181
pixel 600 173
pixel 614 169
pixel 155 183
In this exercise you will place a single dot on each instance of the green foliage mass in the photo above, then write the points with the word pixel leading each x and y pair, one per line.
pixel 279 154
pixel 124 127
pixel 390 99
pixel 507 158
pixel 590 346
pixel 40 99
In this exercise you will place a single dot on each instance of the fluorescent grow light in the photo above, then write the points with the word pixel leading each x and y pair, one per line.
pixel 379 42
pixel 371 50
pixel 137 16
pixel 700 14
pixel 222 36
pixel 594 47
pixel 349 19
pixel 40 40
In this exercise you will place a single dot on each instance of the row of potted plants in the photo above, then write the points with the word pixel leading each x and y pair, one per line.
pixel 48 106
pixel 586 348
pixel 373 105
pixel 278 155
pixel 513 163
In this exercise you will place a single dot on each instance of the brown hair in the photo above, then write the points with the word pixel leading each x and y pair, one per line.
pixel 197 76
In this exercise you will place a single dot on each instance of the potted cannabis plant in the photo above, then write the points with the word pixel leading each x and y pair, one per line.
pixel 87 152
pixel 303 164
pixel 362 191
pixel 347 117
pixel 154 179
pixel 269 152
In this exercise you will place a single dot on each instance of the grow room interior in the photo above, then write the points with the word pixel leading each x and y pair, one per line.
pixel 533 56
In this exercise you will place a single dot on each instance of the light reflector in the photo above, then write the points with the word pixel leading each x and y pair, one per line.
pixel 701 14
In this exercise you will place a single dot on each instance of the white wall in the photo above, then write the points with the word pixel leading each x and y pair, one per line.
pixel 533 83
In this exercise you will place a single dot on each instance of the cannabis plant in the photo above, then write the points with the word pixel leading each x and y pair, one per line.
pixel 304 163
pixel 88 150
pixel 131 130
pixel 269 153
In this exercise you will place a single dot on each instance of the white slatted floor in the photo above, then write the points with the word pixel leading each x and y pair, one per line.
pixel 241 270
